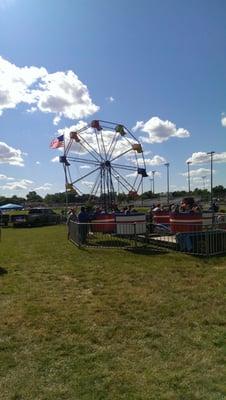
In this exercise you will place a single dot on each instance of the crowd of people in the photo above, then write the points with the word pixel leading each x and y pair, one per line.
pixel 85 215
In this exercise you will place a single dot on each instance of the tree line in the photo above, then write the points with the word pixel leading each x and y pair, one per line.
pixel 32 197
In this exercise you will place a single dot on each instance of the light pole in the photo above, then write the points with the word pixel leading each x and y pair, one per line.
pixel 117 177
pixel 151 185
pixel 142 190
pixel 167 166
pixel 204 184
pixel 189 181
pixel 211 153
pixel 153 181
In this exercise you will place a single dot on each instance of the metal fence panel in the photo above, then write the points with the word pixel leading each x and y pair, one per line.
pixel 190 239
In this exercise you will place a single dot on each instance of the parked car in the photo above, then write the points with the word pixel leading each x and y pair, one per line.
pixel 4 219
pixel 36 217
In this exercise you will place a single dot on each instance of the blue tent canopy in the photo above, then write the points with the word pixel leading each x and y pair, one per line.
pixel 11 206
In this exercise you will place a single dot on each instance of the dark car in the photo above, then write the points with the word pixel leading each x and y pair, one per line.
pixel 36 217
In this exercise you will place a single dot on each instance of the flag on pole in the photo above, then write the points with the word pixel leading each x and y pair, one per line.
pixel 57 142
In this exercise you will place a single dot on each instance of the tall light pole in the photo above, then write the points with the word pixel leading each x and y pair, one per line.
pixel 167 166
pixel 204 184
pixel 151 185
pixel 211 153
pixel 142 190
pixel 153 181
pixel 189 178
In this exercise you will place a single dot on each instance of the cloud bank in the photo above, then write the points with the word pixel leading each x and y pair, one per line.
pixel 201 158
pixel 11 156
pixel 60 93
pixel 159 131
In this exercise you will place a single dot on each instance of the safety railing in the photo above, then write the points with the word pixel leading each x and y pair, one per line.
pixel 192 239
pixel 106 235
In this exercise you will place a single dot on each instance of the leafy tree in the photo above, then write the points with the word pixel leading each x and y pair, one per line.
pixel 219 191
pixel 34 197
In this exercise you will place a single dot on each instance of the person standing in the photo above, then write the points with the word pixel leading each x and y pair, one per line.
pixel 71 217
pixel 83 219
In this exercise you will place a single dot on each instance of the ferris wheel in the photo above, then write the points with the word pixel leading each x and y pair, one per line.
pixel 103 158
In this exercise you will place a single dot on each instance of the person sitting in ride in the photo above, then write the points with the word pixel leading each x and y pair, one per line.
pixel 157 208
pixel 130 210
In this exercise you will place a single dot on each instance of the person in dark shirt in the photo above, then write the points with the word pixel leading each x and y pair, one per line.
pixel 83 219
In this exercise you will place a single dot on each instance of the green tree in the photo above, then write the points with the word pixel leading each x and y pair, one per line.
pixel 34 197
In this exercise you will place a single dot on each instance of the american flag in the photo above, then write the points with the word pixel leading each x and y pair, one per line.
pixel 57 142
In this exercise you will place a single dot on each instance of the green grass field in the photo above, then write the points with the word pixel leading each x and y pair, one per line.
pixel 108 324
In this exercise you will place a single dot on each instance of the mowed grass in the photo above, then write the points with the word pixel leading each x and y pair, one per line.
pixel 108 324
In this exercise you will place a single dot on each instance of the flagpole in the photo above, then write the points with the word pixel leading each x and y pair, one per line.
pixel 65 177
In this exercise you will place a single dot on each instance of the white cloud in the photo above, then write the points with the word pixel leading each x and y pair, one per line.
pixel 84 167
pixel 157 174
pixel 197 172
pixel 5 178
pixel 139 125
pixel 154 161
pixel 11 156
pixel 15 83
pixel 56 120
pixel 61 93
pixel 22 184
pixel 44 188
pixel 87 183
pixel 111 99
pixel 37 162
pixel 159 131
pixel 55 159
pixel 132 175
pixel 202 158
pixel 31 110
pixel 223 120
pixel 198 179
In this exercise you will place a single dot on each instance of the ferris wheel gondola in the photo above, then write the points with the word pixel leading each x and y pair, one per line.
pixel 111 154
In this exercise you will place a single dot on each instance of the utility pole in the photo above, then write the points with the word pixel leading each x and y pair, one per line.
pixel 167 166
pixel 153 181
pixel 189 180
pixel 211 153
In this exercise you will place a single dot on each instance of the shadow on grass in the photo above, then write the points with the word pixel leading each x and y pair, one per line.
pixel 109 243
pixel 3 271
pixel 147 250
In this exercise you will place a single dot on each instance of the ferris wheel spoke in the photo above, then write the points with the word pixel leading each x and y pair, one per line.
pixel 121 182
pixel 112 145
pixel 103 145
pixel 135 181
pixel 126 167
pixel 123 179
pixel 85 176
pixel 88 147
pixel 139 184
pixel 121 154
pixel 130 133
pixel 67 147
pixel 82 160
pixel 98 145
pixel 95 185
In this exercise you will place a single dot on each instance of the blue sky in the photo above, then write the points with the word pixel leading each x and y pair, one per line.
pixel 158 67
